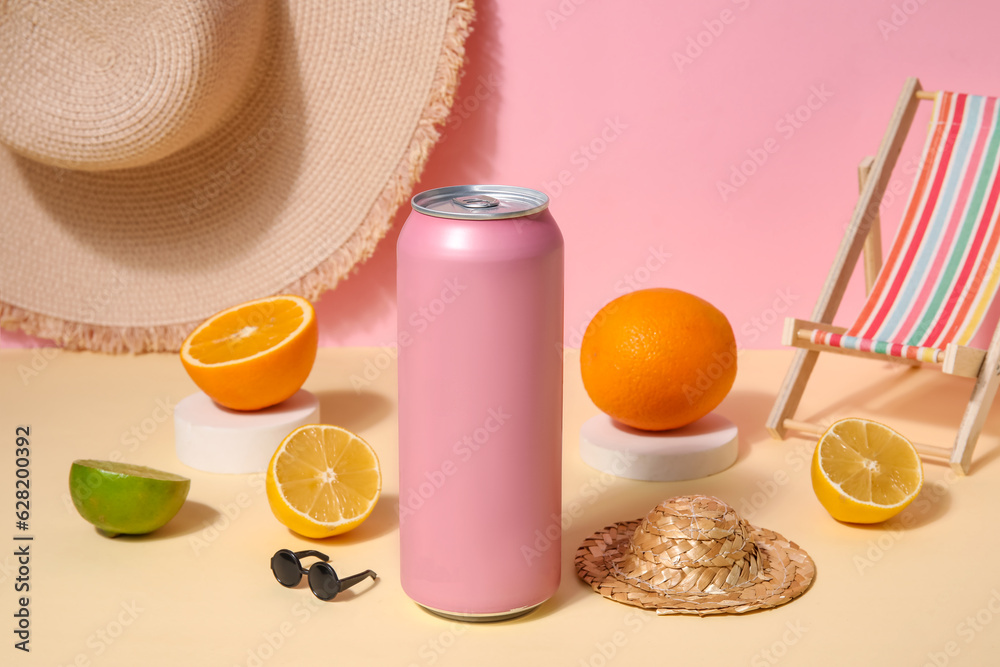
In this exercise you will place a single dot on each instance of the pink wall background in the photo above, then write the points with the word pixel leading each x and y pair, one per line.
pixel 630 114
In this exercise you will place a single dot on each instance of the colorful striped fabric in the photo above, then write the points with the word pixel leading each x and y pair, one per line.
pixel 942 271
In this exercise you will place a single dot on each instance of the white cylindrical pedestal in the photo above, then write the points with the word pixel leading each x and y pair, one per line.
pixel 212 438
pixel 707 446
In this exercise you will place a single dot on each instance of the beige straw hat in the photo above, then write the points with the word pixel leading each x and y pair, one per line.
pixel 161 161
pixel 694 555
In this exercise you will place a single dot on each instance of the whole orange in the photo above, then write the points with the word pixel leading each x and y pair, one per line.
pixel 658 358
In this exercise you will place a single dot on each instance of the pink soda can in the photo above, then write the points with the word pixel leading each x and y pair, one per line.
pixel 479 272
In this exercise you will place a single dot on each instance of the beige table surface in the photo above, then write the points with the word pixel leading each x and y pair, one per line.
pixel 924 589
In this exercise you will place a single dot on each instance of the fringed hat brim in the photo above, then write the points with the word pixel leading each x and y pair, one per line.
pixel 287 195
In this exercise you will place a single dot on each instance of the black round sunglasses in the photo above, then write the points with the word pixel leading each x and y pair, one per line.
pixel 323 579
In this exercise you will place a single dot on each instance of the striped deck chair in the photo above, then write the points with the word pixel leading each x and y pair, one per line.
pixel 926 302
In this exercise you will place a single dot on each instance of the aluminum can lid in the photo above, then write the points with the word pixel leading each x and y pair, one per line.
pixel 480 202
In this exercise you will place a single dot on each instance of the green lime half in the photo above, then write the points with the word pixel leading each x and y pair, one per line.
pixel 120 498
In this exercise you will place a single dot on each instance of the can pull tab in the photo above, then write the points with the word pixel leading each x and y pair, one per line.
pixel 476 201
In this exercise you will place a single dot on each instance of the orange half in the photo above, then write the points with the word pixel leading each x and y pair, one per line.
pixel 253 355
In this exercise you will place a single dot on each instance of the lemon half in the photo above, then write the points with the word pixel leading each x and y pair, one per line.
pixel 323 480
pixel 865 472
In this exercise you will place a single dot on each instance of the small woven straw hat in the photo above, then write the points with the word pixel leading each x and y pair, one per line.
pixel 161 161
pixel 694 555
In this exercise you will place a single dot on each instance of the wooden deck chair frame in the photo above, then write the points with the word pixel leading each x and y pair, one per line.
pixel 863 235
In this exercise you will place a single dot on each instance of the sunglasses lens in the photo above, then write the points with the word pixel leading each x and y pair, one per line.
pixel 323 581
pixel 286 568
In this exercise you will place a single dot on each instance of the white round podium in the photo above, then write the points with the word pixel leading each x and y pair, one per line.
pixel 705 447
pixel 212 438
